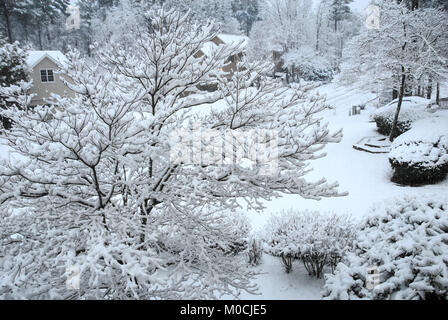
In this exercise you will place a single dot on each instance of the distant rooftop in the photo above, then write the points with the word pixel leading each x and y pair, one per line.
pixel 227 39
pixel 34 57
pixel 233 38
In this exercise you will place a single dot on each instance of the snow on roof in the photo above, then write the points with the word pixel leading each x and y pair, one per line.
pixel 233 38
pixel 34 57
pixel 229 39
pixel 208 48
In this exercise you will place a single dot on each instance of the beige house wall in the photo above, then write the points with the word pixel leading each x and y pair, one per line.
pixel 43 90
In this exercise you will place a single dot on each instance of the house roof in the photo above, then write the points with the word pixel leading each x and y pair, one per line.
pixel 233 39
pixel 34 57
pixel 229 39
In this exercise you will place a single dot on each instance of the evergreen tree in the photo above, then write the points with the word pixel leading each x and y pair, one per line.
pixel 246 12
pixel 12 71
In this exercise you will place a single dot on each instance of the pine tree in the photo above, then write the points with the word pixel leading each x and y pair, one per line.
pixel 12 71
pixel 246 12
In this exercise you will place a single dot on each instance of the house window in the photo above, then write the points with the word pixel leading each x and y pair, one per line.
pixel 46 75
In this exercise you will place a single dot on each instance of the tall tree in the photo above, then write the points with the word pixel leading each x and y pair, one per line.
pixel 339 10
pixel 46 14
pixel 12 71
pixel 246 12
pixel 10 9
pixel 219 11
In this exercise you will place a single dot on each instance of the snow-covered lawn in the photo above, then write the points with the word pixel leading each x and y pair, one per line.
pixel 365 176
pixel 276 284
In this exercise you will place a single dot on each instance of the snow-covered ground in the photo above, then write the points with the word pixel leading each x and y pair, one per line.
pixel 275 284
pixel 365 176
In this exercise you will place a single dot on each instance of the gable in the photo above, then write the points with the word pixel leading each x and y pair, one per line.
pixel 34 58
pixel 46 63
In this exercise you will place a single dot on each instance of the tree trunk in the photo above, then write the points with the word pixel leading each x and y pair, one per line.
pixel 317 38
pixel 394 94
pixel 400 100
pixel 7 22
pixel 437 93
pixel 39 36
pixel 429 90
pixel 48 36
pixel 25 28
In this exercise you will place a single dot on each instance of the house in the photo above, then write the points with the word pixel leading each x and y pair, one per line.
pixel 229 39
pixel 43 67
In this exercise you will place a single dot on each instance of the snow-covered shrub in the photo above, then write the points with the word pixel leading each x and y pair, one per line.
pixel 255 251
pixel 238 239
pixel 38 247
pixel 306 65
pixel 406 239
pixel 287 260
pixel 420 155
pixel 309 72
pixel 412 109
pixel 317 239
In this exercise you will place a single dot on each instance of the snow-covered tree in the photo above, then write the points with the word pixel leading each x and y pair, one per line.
pixel 339 10
pixel 288 22
pixel 285 27
pixel 406 46
pixel 246 12
pixel 218 11
pixel 92 183
pixel 121 20
pixel 47 20
pixel 10 9
pixel 12 63
pixel 12 70
pixel 322 29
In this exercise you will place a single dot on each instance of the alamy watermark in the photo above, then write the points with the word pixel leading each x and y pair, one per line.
pixel 373 277
pixel 373 17
pixel 252 149
pixel 73 275
pixel 74 19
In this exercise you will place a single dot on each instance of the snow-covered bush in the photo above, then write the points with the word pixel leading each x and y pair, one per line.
pixel 311 72
pixel 38 248
pixel 101 189
pixel 318 239
pixel 304 64
pixel 406 239
pixel 412 109
pixel 255 251
pixel 238 239
pixel 420 155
